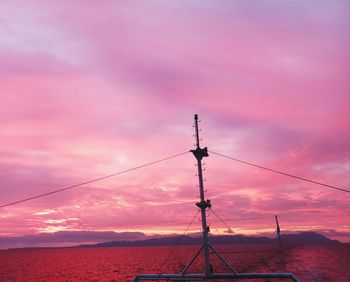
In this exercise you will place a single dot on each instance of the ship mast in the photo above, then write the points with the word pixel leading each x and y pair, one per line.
pixel 208 274
pixel 199 154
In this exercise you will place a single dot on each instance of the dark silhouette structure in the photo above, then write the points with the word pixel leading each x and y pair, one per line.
pixel 204 204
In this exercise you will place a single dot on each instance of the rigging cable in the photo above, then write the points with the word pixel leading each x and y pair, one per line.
pixel 91 181
pixel 179 240
pixel 306 270
pixel 283 173
pixel 242 240
pixel 255 253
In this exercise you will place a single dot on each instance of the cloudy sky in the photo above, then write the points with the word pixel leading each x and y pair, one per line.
pixel 90 88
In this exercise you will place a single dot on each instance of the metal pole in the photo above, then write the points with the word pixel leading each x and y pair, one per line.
pixel 222 259
pixel 216 276
pixel 192 261
pixel 278 231
pixel 203 204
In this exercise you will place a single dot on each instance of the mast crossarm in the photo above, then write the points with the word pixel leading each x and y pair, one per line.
pixel 200 153
pixel 205 204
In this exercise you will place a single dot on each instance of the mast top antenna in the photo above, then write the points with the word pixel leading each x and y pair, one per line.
pixel 199 153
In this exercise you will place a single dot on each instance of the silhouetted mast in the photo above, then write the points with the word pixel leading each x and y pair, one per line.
pixel 209 274
pixel 278 230
pixel 199 154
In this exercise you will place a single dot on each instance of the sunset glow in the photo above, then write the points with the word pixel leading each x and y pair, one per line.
pixel 91 88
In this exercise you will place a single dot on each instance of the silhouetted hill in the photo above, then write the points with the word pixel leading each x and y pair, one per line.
pixel 307 238
pixel 290 239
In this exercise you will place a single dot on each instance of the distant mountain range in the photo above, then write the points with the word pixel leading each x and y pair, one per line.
pixel 290 239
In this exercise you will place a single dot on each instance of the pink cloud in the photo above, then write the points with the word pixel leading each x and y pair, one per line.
pixel 91 89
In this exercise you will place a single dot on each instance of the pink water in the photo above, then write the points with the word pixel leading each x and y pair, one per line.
pixel 324 263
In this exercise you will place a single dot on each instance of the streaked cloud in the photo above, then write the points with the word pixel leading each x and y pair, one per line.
pixel 89 89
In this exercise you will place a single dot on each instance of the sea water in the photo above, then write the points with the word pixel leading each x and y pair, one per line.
pixel 309 263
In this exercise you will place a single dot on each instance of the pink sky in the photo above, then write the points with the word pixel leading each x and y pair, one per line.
pixel 90 88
